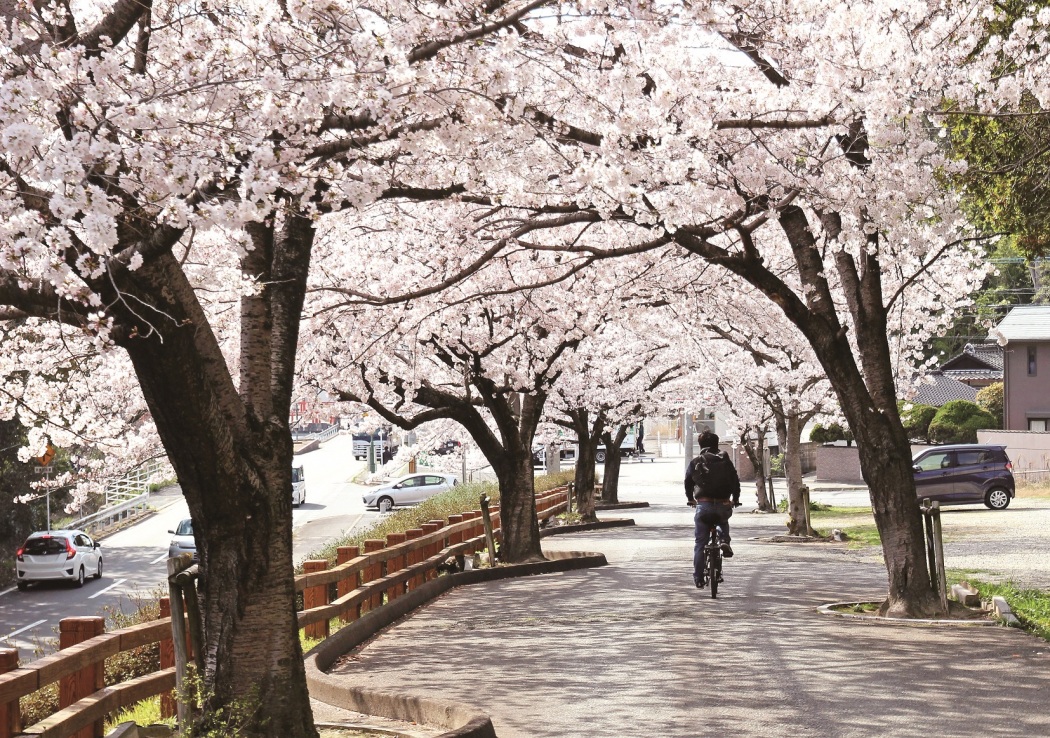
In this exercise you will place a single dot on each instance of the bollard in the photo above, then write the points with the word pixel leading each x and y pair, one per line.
pixel 316 597
pixel 88 680
pixel 414 557
pixel 10 716
pixel 394 565
pixel 349 584
pixel 373 572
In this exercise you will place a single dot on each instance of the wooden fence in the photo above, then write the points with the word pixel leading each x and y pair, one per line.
pixel 361 581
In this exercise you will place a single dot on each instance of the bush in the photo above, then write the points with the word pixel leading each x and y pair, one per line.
pixel 830 433
pixel 958 421
pixel 991 400
pixel 776 465
pixel 916 419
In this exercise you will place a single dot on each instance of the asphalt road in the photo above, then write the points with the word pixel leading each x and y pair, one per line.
pixel 134 558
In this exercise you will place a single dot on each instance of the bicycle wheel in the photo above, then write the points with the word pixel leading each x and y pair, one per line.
pixel 714 566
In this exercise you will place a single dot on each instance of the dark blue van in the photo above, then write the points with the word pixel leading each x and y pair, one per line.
pixel 965 474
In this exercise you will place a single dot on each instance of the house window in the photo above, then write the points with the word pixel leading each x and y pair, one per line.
pixel 1031 361
pixel 1037 424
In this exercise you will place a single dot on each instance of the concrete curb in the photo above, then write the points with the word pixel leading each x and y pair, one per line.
pixel 915 622
pixel 462 720
pixel 620 505
pixel 584 527
pixel 307 447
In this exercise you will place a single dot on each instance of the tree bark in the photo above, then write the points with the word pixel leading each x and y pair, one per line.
pixel 588 436
pixel 520 529
pixel 757 458
pixel 791 448
pixel 233 459
pixel 611 478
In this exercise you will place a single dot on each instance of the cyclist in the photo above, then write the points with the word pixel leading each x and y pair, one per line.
pixel 712 486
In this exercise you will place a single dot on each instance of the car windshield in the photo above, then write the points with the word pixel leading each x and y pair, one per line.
pixel 185 528
pixel 44 546
pixel 297 474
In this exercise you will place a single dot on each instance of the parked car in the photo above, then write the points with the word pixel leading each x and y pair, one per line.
pixel 445 447
pixel 408 490
pixel 68 555
pixel 965 474
pixel 298 486
pixel 183 542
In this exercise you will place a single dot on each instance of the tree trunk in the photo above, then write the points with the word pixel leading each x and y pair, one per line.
pixel 517 509
pixel 583 482
pixel 235 473
pixel 790 447
pixel 611 478
pixel 757 458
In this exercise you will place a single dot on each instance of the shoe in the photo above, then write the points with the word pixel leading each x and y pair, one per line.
pixel 727 551
pixel 700 583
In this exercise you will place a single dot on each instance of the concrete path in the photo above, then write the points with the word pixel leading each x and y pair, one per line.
pixel 633 649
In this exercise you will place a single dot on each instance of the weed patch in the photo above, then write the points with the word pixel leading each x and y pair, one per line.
pixel 1031 606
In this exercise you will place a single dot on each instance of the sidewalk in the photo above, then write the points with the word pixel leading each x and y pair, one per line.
pixel 633 649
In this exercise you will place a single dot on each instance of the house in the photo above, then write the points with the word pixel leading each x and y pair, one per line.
pixel 936 389
pixel 1024 335
pixel 979 365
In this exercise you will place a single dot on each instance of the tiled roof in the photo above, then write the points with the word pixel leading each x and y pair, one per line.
pixel 976 356
pixel 937 389
pixel 1025 323
pixel 974 374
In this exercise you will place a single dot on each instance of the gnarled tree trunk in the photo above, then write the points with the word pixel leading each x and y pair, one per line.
pixel 588 435
pixel 611 478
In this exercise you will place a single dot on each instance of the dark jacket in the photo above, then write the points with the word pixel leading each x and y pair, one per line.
pixel 732 491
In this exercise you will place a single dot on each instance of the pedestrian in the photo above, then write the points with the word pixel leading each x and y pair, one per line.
pixel 712 486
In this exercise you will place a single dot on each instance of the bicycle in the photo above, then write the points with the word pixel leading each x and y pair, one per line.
pixel 713 557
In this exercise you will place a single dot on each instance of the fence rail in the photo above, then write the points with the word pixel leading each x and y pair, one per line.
pixel 124 496
pixel 386 570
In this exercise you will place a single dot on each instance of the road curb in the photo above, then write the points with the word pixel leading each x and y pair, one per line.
pixel 584 527
pixel 462 720
pixel 913 622
pixel 620 505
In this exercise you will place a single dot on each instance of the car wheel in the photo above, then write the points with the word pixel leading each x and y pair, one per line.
pixel 997 498
pixel 23 586
pixel 80 577
pixel 98 572
pixel 385 504
pixel 599 457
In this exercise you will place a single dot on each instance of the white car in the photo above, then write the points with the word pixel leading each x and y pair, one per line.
pixel 408 490
pixel 68 555
pixel 298 486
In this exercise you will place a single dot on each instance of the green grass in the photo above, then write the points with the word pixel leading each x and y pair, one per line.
pixel 146 712
pixel 1031 606
pixel 860 608
pixel 860 536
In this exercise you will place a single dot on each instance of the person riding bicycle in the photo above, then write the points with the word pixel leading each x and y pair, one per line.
pixel 712 486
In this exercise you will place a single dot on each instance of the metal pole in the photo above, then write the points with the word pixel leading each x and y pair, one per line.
pixel 47 498
pixel 463 476
pixel 688 439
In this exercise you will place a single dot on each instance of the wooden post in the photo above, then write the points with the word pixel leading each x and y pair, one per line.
pixel 316 597
pixel 373 572
pixel 414 557
pixel 88 680
pixel 938 553
pixel 167 660
pixel 187 582
pixel 805 507
pixel 177 565
pixel 10 715
pixel 486 517
pixel 348 585
pixel 395 564
pixel 931 557
pixel 431 548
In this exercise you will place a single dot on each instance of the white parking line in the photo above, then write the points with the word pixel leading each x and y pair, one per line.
pixel 103 591
pixel 13 633
pixel 159 559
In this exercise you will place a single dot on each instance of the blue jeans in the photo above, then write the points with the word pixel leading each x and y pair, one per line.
pixel 713 511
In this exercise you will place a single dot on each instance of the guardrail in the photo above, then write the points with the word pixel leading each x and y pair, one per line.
pixel 124 496
pixel 362 581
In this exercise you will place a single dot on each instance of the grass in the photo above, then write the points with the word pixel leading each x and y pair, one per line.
pixel 860 608
pixel 1033 489
pixel 146 712
pixel 1031 606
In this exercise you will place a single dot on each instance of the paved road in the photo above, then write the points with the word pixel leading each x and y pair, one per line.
pixel 134 558
pixel 634 649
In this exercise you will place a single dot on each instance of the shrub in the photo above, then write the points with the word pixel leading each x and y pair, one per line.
pixel 991 399
pixel 916 419
pixel 830 433
pixel 776 465
pixel 958 421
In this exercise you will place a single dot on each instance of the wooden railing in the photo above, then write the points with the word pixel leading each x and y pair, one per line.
pixel 363 581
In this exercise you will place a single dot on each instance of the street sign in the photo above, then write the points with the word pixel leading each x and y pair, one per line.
pixel 43 469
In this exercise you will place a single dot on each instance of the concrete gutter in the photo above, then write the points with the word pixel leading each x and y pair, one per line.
pixel 461 720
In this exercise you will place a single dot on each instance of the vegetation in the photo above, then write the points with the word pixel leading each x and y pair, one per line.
pixel 1031 606
pixel 146 712
pixel 831 433
pixel 916 418
pixel 958 422
pixel 992 401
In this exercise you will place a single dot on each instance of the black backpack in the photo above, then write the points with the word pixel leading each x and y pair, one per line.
pixel 714 476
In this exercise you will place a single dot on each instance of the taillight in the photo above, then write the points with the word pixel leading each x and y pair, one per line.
pixel 1009 466
pixel 18 554
pixel 70 551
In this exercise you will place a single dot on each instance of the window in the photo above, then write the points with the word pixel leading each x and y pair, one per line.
pixel 433 481
pixel 185 528
pixel 1037 424
pixel 44 546
pixel 935 461
pixel 972 458
pixel 1031 361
